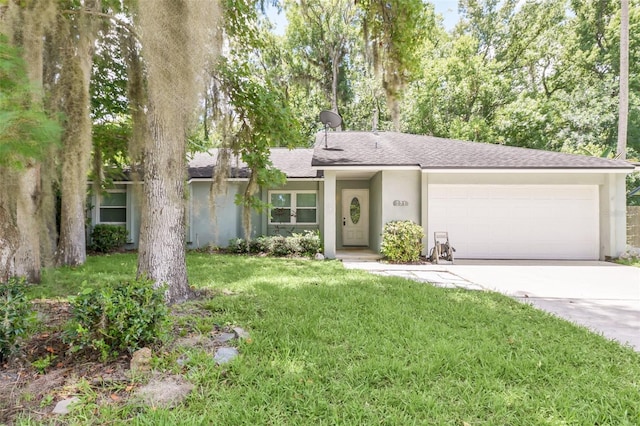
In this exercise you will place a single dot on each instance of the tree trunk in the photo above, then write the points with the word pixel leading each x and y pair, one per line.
pixel 623 111
pixel 174 36
pixel 27 257
pixel 335 68
pixel 77 144
pixel 9 235
pixel 161 251
pixel 29 215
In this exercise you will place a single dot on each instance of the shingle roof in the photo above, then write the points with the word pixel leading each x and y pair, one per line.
pixel 428 152
pixel 295 163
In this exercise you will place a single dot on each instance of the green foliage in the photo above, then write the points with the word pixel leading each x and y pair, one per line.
pixel 238 245
pixel 25 130
pixel 533 74
pixel 108 238
pixel 41 364
pixel 15 315
pixel 119 317
pixel 307 243
pixel 402 241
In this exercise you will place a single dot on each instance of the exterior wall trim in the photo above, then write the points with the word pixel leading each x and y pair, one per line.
pixel 539 171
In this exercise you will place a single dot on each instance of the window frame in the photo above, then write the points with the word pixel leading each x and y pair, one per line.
pixel 118 189
pixel 294 207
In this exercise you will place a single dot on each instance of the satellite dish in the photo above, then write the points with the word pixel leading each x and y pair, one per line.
pixel 329 119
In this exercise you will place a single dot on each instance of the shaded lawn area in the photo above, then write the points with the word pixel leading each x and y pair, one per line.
pixel 336 346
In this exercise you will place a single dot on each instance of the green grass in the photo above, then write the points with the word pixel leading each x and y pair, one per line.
pixel 634 261
pixel 335 346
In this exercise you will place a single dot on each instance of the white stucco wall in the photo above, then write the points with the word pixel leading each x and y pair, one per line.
pixel 401 197
pixel 518 178
pixel 375 212
pixel 613 216
pixel 329 213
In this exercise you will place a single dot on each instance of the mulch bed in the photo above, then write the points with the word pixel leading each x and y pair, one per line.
pixel 23 386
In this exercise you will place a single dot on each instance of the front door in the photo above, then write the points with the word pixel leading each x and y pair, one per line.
pixel 355 217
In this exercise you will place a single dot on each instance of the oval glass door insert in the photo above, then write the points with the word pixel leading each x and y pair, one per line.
pixel 355 210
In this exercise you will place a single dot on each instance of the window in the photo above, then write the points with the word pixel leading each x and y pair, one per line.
pixel 113 206
pixel 294 207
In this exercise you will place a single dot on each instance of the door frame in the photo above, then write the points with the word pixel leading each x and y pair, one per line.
pixel 363 196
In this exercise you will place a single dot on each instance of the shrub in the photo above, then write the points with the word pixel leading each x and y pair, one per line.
pixel 279 246
pixel 15 315
pixel 310 242
pixel 306 244
pixel 402 241
pixel 260 245
pixel 108 238
pixel 117 317
pixel 237 245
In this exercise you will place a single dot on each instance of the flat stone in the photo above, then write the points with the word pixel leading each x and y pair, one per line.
pixel 225 337
pixel 183 360
pixel 167 392
pixel 141 360
pixel 62 407
pixel 241 333
pixel 225 354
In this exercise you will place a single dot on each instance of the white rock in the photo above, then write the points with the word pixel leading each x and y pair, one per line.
pixel 241 333
pixel 62 407
pixel 225 337
pixel 319 256
pixel 225 354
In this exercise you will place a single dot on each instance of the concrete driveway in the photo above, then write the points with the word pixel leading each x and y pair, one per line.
pixel 602 296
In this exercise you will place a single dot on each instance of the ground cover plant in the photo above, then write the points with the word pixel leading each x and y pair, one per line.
pixel 632 261
pixel 303 244
pixel 336 346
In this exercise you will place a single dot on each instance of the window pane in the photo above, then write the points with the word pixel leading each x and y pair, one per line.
pixel 113 215
pixel 281 200
pixel 306 200
pixel 281 215
pixel 306 216
pixel 355 210
pixel 114 199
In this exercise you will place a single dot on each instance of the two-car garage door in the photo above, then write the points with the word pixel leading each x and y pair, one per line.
pixel 517 221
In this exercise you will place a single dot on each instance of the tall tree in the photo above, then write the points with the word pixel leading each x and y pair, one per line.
pixel 249 108
pixel 25 135
pixel 27 23
pixel 322 33
pixel 394 31
pixel 78 32
pixel 623 109
pixel 174 35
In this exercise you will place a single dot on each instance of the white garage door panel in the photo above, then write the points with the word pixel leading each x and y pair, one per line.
pixel 517 221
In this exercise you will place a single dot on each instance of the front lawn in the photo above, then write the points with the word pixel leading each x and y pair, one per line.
pixel 336 346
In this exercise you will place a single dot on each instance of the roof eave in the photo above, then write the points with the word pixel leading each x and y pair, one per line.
pixel 338 167
pixel 625 170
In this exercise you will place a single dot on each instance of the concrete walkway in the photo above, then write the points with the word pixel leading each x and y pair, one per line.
pixel 602 296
